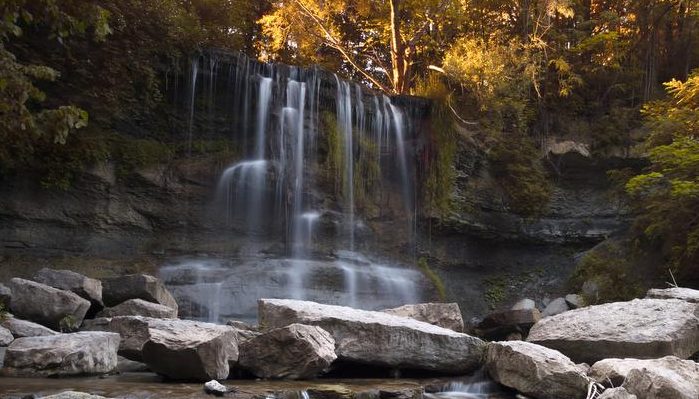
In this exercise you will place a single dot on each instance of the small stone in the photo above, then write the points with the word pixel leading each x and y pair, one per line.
pixel 6 336
pixel 215 388
pixel 524 304
pixel 617 393
pixel 139 307
pixel 557 306
pixel 575 301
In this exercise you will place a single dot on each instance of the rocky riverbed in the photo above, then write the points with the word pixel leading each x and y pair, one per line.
pixel 120 337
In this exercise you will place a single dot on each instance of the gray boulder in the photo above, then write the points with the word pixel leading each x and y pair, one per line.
pixel 5 296
pixel 617 393
pixel 215 388
pixel 641 329
pixel 125 365
pixel 136 286
pixel 524 304
pixel 6 336
pixel 83 353
pixel 685 294
pixel 535 370
pixel 190 350
pixel 85 287
pixel 501 325
pixel 51 307
pixel 295 352
pixel 139 307
pixel 23 328
pixel 380 339
pixel 446 315
pixel 557 306
pixel 667 377
pixel 3 350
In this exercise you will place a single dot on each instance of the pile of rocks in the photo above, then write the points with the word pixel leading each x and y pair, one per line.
pixel 40 334
pixel 637 350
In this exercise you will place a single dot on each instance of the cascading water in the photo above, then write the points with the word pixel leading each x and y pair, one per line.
pixel 275 192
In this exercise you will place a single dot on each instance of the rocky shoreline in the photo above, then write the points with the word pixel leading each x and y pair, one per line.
pixel 63 324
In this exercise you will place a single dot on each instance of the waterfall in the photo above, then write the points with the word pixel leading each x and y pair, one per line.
pixel 275 189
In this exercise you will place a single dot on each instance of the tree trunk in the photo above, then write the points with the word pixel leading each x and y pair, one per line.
pixel 398 61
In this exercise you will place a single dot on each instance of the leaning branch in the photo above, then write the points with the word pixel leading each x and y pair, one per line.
pixel 335 43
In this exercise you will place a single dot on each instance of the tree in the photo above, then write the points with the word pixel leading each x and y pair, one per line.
pixel 382 42
pixel 666 195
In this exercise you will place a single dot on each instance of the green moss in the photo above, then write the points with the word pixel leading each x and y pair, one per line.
pixel 609 268
pixel 495 291
pixel 132 154
pixel 433 277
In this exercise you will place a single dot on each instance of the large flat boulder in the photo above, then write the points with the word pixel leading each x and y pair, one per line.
pixel 685 294
pixel 296 351
pixel 446 315
pixel 189 350
pixel 536 371
pixel 23 328
pixel 85 287
pixel 667 377
pixel 641 329
pixel 51 307
pixel 380 339
pixel 136 286
pixel 139 307
pixel 83 353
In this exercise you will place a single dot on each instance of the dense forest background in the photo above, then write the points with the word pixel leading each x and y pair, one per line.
pixel 83 82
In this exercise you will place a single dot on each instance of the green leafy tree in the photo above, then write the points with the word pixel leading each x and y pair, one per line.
pixel 666 196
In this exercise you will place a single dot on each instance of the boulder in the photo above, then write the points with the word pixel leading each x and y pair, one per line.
pixel 536 371
pixel 136 286
pixel 295 352
pixel 524 304
pixel 668 374
pixel 575 301
pixel 5 296
pixel 190 342
pixel 685 294
pixel 501 325
pixel 139 307
pixel 677 379
pixel 51 307
pixel 557 306
pixel 446 315
pixel 617 393
pixel 190 350
pixel 380 339
pixel 3 350
pixel 85 287
pixel 23 328
pixel 125 365
pixel 62 355
pixel 245 331
pixel 6 336
pixel 641 329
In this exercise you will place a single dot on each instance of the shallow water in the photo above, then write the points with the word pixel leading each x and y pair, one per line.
pixel 150 386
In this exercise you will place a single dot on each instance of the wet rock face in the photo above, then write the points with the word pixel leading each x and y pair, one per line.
pixel 295 352
pixel 536 371
pixel 379 339
pixel 46 305
pixel 642 328
pixel 63 355
pixel 446 315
